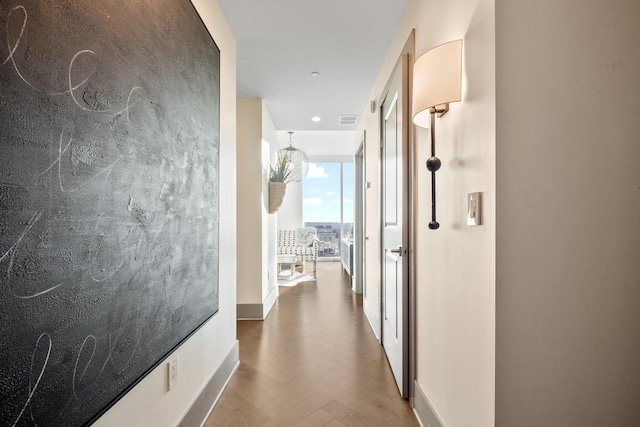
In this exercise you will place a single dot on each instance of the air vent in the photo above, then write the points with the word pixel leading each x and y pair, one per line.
pixel 348 120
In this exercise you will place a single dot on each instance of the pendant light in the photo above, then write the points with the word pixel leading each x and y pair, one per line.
pixel 299 160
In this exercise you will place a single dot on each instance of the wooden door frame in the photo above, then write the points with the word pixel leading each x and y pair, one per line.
pixel 409 48
pixel 409 175
pixel 360 233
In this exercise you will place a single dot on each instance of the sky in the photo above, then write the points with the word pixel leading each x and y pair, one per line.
pixel 321 193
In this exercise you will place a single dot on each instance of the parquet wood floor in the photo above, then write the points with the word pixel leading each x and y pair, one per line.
pixel 313 362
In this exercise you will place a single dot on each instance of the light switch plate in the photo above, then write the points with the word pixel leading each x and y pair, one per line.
pixel 474 209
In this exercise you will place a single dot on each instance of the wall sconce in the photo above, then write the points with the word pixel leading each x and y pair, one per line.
pixel 436 82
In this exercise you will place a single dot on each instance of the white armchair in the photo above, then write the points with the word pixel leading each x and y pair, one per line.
pixel 302 242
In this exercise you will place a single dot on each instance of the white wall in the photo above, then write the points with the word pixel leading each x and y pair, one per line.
pixel 149 404
pixel 290 213
pixel 257 144
pixel 269 136
pixel 252 232
pixel 568 198
pixel 456 264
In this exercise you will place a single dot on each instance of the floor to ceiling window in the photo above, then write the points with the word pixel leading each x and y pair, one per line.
pixel 327 193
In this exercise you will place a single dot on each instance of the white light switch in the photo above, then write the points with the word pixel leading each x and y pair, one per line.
pixel 474 209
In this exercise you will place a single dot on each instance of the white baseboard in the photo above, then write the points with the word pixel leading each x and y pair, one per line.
pixel 427 416
pixel 268 302
pixel 211 392
pixel 373 317
pixel 257 311
pixel 249 311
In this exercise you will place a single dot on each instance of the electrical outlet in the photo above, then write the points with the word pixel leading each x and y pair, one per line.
pixel 172 371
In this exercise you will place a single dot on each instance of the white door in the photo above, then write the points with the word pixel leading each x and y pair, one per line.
pixel 359 220
pixel 394 147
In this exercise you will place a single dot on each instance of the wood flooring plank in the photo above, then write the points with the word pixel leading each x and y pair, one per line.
pixel 224 418
pixel 360 389
pixel 241 411
pixel 336 423
pixel 254 377
pixel 284 414
pixel 370 404
pixel 318 418
pixel 406 421
pixel 314 361
pixel 250 392
pixel 297 392
pixel 351 417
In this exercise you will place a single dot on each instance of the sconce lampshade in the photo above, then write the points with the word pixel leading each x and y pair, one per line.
pixel 436 80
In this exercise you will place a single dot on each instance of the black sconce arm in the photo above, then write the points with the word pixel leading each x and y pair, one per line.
pixel 433 164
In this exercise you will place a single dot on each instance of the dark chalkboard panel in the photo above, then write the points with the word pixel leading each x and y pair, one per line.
pixel 109 139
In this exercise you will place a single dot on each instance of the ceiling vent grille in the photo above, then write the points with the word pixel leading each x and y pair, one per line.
pixel 349 120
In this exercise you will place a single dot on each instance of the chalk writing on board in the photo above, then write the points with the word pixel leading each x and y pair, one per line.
pixel 33 386
pixel 109 139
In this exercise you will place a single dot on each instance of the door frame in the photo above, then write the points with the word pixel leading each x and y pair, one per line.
pixel 410 175
pixel 360 232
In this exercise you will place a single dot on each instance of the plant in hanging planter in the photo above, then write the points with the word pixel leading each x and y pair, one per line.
pixel 283 169
pixel 280 175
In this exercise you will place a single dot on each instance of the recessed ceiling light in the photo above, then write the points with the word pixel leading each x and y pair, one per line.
pixel 315 119
pixel 315 74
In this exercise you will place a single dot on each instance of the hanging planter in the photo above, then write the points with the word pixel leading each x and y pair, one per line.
pixel 279 176
pixel 277 191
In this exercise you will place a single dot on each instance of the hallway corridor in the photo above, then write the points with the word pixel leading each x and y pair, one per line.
pixel 313 362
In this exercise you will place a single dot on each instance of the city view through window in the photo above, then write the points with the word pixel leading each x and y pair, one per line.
pixel 328 205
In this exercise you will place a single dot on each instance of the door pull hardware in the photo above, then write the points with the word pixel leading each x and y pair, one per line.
pixel 399 250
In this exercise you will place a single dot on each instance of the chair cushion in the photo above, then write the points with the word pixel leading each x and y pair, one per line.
pixel 306 236
pixel 287 245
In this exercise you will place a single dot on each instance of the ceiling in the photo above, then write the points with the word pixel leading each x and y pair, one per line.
pixel 281 42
